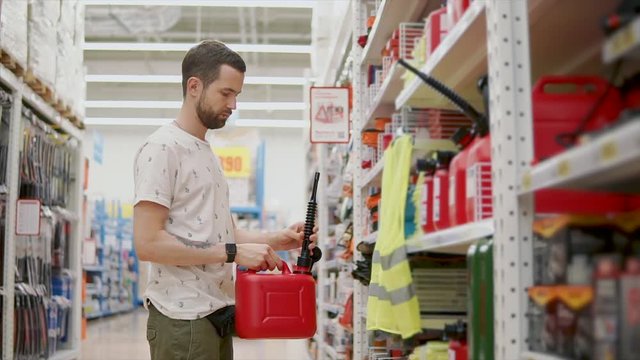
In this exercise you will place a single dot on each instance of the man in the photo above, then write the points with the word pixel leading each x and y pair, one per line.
pixel 182 221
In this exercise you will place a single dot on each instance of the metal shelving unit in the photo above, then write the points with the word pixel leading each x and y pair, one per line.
pixel 455 240
pixel 22 94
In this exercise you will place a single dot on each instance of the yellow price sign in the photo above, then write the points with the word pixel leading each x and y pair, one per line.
pixel 564 169
pixel 235 161
pixel 623 40
pixel 609 151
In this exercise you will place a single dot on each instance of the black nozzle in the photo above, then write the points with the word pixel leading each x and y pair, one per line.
pixel 426 165
pixel 443 158
pixel 483 124
pixel 305 260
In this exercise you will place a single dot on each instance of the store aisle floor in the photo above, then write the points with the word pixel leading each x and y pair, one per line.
pixel 122 337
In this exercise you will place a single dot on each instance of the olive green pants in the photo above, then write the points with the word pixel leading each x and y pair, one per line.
pixel 171 339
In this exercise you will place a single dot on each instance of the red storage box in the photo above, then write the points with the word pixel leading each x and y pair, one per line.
pixel 275 306
pixel 556 113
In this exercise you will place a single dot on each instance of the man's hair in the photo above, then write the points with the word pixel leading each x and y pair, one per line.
pixel 204 60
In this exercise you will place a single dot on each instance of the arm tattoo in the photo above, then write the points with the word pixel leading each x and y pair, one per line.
pixel 195 244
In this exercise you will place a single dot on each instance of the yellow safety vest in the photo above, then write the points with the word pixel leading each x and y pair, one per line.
pixel 393 305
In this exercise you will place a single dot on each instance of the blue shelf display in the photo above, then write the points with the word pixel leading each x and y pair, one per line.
pixel 256 211
pixel 112 283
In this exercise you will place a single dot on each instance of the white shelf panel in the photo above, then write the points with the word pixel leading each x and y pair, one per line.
pixel 624 42
pixel 66 355
pixel 529 355
pixel 384 102
pixel 371 238
pixel 455 240
pixel 390 14
pixel 459 60
pixel 339 49
pixel 374 176
pixel 609 162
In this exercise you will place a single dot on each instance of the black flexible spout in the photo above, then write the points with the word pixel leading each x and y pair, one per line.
pixel 478 118
pixel 305 260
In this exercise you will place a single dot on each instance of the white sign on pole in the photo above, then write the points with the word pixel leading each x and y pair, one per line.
pixel 28 217
pixel 330 115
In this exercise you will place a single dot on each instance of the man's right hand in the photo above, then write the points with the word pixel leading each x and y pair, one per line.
pixel 257 257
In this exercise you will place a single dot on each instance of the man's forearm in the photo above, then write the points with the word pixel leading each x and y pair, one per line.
pixel 171 250
pixel 254 237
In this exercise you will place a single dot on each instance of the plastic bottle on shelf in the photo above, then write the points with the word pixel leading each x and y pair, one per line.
pixel 457 335
pixel 458 178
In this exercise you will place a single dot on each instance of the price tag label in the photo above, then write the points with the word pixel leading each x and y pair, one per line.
pixel 564 169
pixel 623 41
pixel 608 151
pixel 28 217
pixel 235 161
pixel 526 182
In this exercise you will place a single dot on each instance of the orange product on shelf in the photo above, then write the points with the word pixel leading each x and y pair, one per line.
pixel 370 21
pixel 370 137
pixel 381 122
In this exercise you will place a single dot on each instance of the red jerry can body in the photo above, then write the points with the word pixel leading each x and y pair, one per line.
pixel 275 306
pixel 458 186
pixel 426 220
pixel 478 187
pixel 441 199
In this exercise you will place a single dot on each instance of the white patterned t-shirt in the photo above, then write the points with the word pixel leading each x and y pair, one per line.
pixel 179 171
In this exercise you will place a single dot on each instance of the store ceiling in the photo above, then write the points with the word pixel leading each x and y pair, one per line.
pixel 134 93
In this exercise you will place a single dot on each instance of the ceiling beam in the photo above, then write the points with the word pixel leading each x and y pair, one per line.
pixel 275 123
pixel 293 4
pixel 166 104
pixel 140 46
pixel 177 79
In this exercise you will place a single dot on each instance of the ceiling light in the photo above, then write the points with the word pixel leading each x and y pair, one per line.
pixel 177 79
pixel 152 104
pixel 207 3
pixel 104 121
pixel 140 46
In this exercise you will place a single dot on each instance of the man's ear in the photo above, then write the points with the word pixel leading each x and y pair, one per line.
pixel 194 86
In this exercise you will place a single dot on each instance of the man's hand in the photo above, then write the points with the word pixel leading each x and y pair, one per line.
pixel 292 237
pixel 257 257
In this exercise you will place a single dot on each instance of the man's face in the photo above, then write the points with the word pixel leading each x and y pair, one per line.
pixel 218 100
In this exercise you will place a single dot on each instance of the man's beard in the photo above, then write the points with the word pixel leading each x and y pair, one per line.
pixel 210 119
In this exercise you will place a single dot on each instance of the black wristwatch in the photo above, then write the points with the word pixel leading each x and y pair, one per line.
pixel 231 252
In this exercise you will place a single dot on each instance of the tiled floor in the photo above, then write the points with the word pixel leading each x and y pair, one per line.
pixel 122 337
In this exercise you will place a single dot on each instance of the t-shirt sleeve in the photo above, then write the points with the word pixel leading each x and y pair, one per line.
pixel 154 167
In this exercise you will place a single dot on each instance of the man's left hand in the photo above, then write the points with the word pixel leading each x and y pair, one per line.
pixel 292 237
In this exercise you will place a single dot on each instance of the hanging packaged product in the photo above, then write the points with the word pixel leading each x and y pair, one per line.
pixel 426 218
pixel 605 307
pixel 630 309
pixel 542 318
pixel 440 199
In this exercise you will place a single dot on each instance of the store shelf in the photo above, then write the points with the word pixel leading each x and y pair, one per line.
pixel 340 48
pixel 374 176
pixel 37 103
pixel 390 14
pixel 455 240
pixel 383 104
pixel 246 210
pixel 94 268
pixel 65 355
pixel 458 62
pixel 539 356
pixel 609 162
pixel 623 42
pixel 332 307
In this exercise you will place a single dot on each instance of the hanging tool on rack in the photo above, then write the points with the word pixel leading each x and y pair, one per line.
pixel 295 293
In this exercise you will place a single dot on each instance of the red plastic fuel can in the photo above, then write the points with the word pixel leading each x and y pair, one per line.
pixel 478 192
pixel 426 218
pixel 440 199
pixel 275 306
pixel 458 179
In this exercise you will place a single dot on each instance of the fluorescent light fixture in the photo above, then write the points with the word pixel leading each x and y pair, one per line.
pixel 140 46
pixel 177 79
pixel 296 124
pixel 151 104
pixel 302 4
